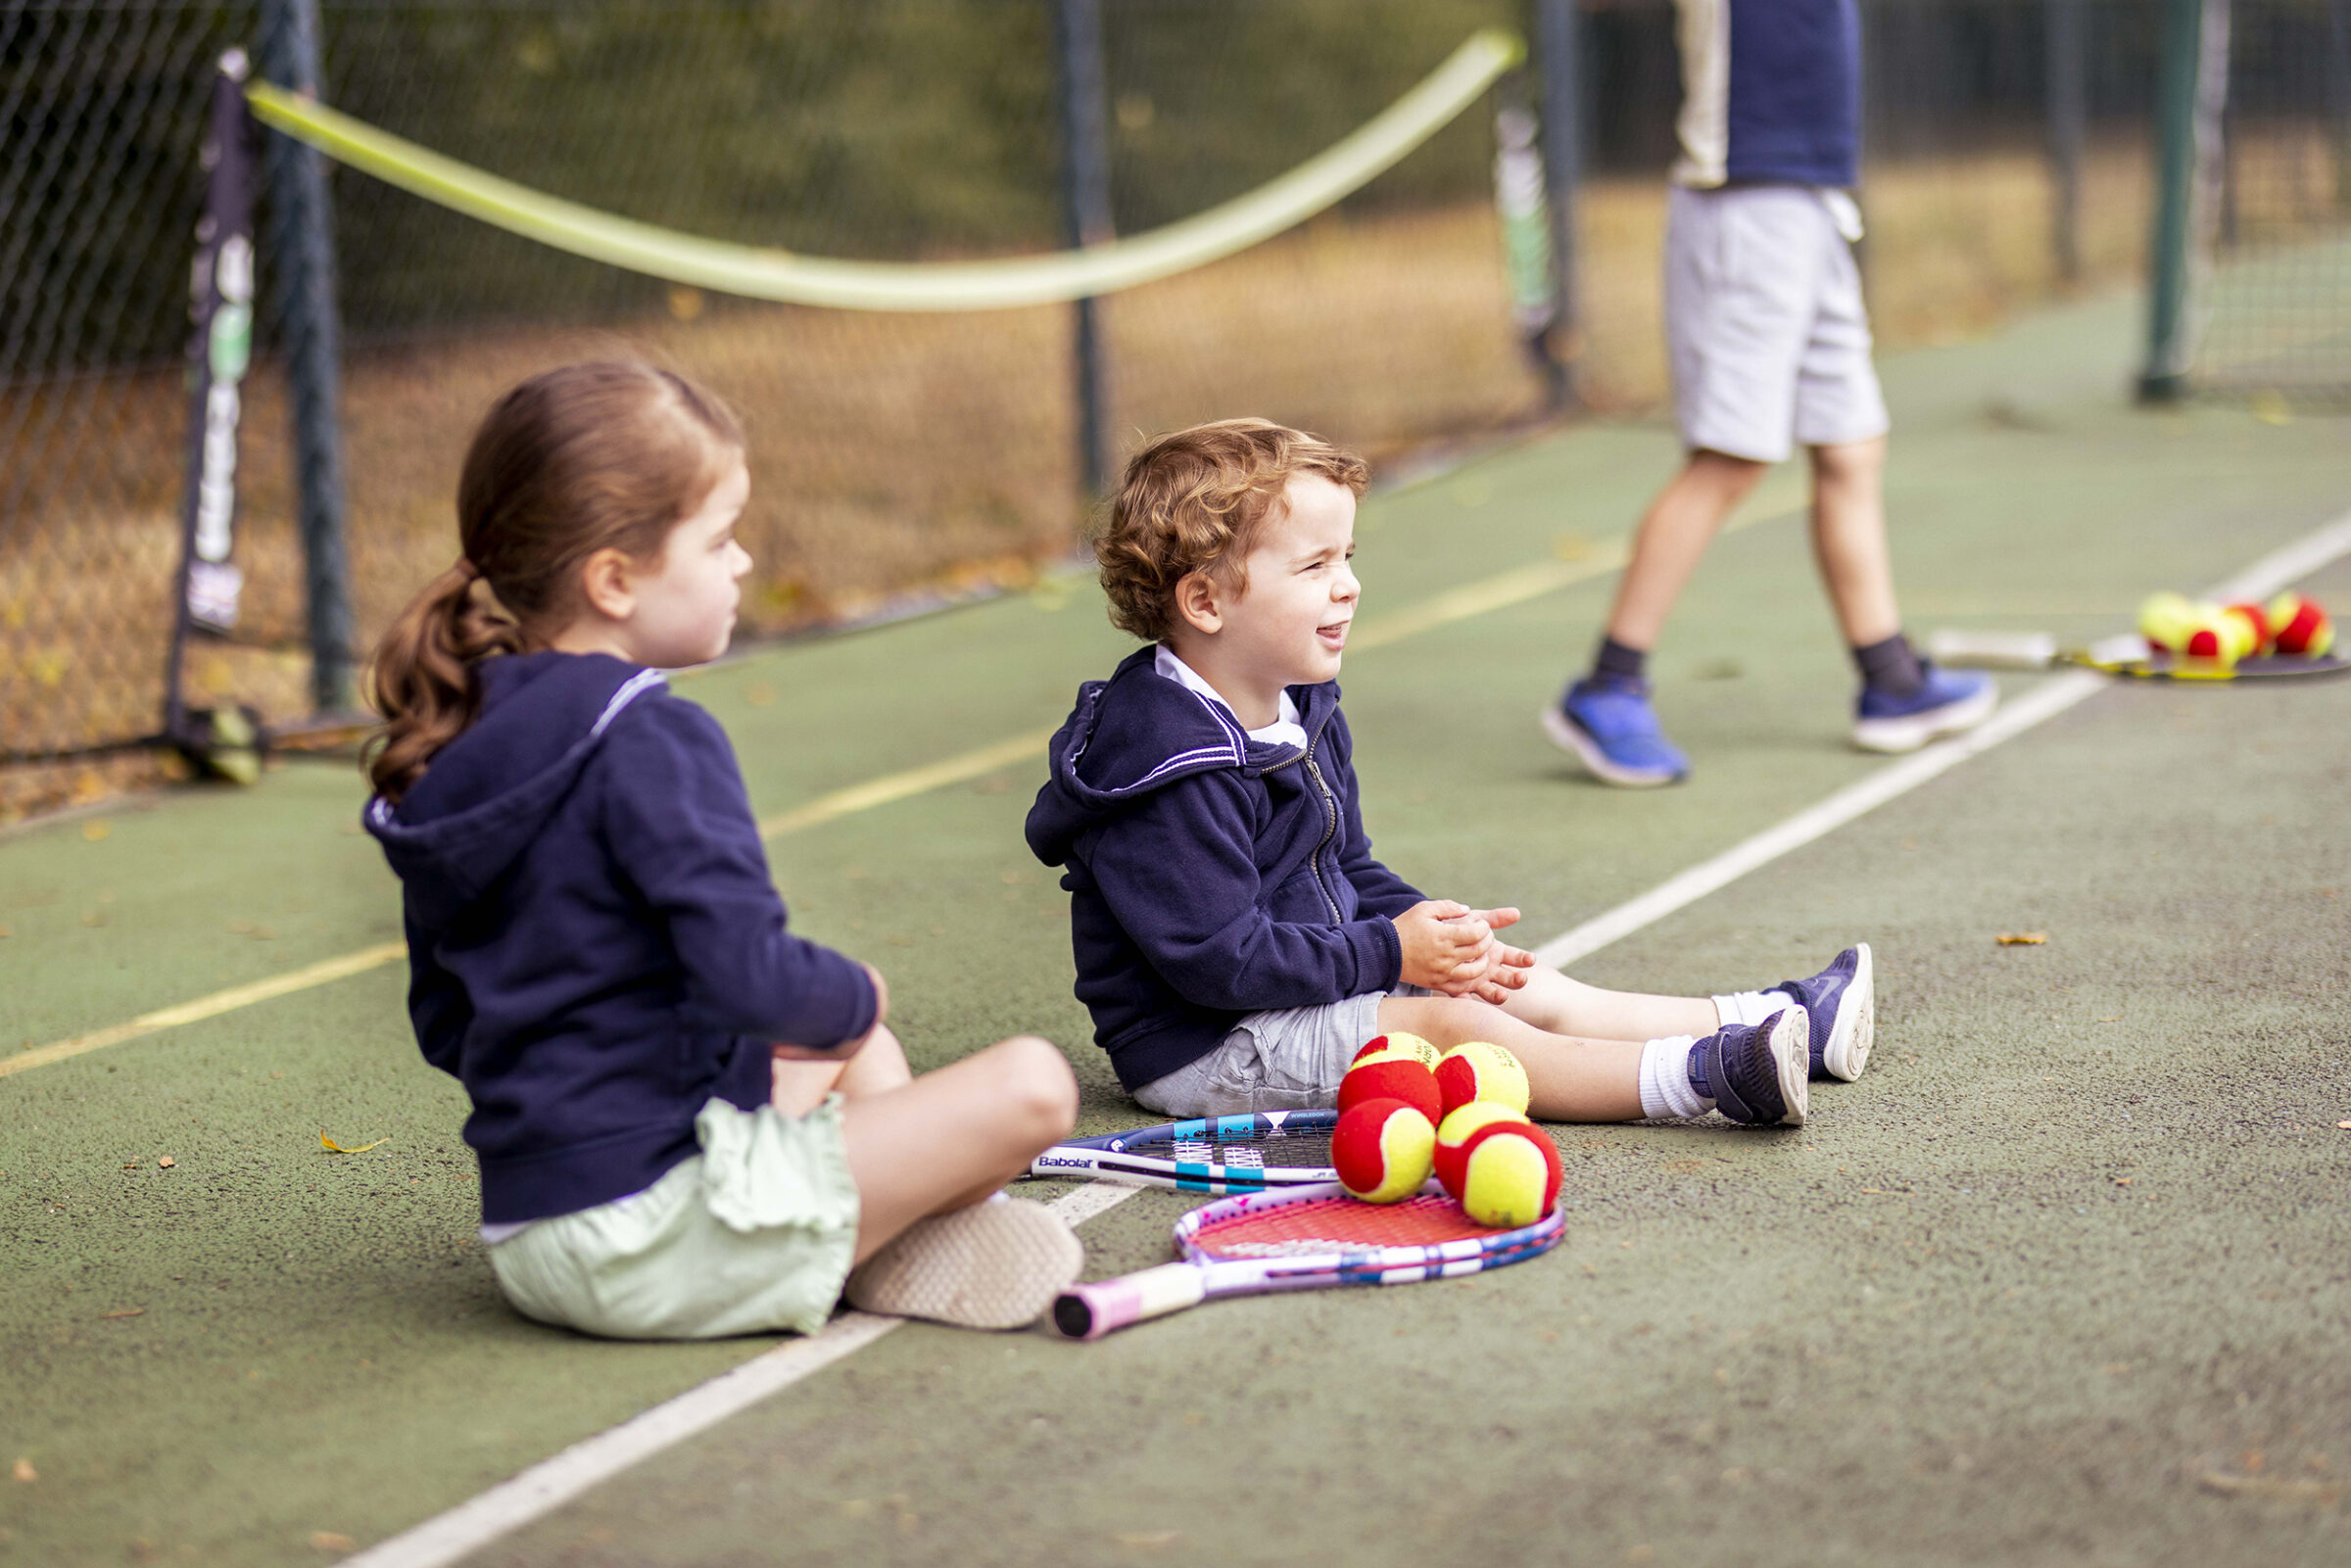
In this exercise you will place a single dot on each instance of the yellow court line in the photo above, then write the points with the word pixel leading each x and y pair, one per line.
pixel 895 787
pixel 1500 591
pixel 205 1007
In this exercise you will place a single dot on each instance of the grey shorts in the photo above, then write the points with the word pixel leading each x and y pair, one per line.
pixel 1289 1058
pixel 1765 322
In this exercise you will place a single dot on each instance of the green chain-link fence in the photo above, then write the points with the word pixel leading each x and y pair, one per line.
pixel 894 454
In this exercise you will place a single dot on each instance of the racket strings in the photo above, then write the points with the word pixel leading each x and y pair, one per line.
pixel 1275 1148
pixel 1338 1225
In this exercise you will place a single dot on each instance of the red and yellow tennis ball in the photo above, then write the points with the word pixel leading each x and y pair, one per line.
pixel 1392 1077
pixel 2222 635
pixel 1507 1174
pixel 2167 621
pixel 1399 1044
pixel 2256 622
pixel 1384 1151
pixel 1455 1132
pixel 1478 1070
pixel 2299 626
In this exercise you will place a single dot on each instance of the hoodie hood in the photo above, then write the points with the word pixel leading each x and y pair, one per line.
pixel 1139 732
pixel 490 793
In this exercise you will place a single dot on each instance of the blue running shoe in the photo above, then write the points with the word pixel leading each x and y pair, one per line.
pixel 1606 721
pixel 1945 703
pixel 1843 1002
pixel 1759 1073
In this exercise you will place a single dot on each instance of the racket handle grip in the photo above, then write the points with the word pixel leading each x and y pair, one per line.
pixel 1089 1311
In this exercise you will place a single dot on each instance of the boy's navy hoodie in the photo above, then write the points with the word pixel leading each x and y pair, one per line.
pixel 1210 874
pixel 595 947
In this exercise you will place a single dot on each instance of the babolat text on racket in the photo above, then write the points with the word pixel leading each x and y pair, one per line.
pixel 1303 1238
pixel 1210 1155
pixel 2126 655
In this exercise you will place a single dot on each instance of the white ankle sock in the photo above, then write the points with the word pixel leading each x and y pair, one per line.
pixel 1749 1006
pixel 1666 1086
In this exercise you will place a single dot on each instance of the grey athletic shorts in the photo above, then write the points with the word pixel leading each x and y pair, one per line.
pixel 1765 323
pixel 1289 1058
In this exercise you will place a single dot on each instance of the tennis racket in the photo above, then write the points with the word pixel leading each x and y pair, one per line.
pixel 1210 1155
pixel 1303 1238
pixel 2127 655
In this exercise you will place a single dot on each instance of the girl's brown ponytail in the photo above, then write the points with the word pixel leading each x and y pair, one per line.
pixel 606 456
pixel 424 680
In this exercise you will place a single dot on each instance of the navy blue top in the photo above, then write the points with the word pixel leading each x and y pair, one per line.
pixel 596 949
pixel 1771 93
pixel 1210 874
pixel 1795 92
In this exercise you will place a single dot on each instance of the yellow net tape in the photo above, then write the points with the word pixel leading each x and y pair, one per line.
pixel 760 273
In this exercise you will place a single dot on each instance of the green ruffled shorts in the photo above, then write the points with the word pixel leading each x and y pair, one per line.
pixel 755 1233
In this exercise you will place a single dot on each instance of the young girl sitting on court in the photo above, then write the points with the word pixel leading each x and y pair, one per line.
pixel 690 1121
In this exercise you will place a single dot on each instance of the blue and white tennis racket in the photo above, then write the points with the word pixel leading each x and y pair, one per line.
pixel 1210 1155
pixel 1303 1238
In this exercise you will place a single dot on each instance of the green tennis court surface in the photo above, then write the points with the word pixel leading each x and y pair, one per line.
pixel 2062 1279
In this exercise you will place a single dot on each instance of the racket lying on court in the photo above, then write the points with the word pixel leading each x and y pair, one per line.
pixel 1303 1238
pixel 1210 1155
pixel 2126 655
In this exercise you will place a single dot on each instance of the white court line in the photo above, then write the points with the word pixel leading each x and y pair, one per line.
pixel 554 1482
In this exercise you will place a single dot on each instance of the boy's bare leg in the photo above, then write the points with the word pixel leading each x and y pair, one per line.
pixel 949 1138
pixel 1570 1080
pixel 1673 536
pixel 1848 539
pixel 1556 1004
pixel 799 1087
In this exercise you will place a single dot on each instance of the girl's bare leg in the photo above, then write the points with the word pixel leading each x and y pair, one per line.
pixel 1557 1005
pixel 949 1138
pixel 1572 1079
pixel 800 1086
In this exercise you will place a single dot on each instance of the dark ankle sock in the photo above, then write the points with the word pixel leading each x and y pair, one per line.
pixel 1615 658
pixel 1698 1071
pixel 1891 666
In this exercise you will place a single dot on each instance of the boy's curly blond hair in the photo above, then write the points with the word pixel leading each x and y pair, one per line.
pixel 1198 499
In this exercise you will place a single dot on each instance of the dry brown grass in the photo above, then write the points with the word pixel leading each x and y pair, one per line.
pixel 895 453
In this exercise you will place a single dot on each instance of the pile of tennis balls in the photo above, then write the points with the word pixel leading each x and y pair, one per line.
pixel 2219 634
pixel 1406 1110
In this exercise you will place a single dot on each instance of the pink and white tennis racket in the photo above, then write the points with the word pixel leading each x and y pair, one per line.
pixel 1303 1238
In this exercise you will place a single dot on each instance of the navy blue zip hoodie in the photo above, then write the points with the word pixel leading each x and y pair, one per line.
pixel 1210 874
pixel 594 946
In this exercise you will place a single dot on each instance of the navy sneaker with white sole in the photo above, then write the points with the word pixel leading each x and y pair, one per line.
pixel 1606 721
pixel 1945 703
pixel 1843 1002
pixel 1759 1073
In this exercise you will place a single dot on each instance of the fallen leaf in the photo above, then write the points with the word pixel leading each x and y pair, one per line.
pixel 166 1162
pixel 329 1540
pixel 134 1166
pixel 2344 1126
pixel 25 1472
pixel 2276 1487
pixel 2023 939
pixel 334 1148
pixel 2122 1181
pixel 128 1311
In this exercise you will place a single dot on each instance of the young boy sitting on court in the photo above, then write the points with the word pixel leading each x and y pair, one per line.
pixel 1235 941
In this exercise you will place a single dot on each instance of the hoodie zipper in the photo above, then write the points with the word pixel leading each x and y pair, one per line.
pixel 1330 819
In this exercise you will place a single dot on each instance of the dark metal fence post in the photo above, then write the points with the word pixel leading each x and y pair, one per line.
pixel 2069 125
pixel 1556 24
pixel 300 263
pixel 2178 175
pixel 2338 96
pixel 1086 192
